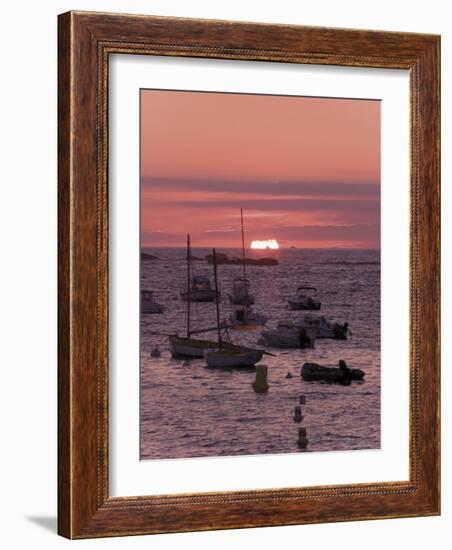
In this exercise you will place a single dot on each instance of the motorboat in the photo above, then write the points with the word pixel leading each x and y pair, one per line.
pixel 304 299
pixel 289 335
pixel 244 317
pixel 313 372
pixel 148 304
pixel 199 290
pixel 322 327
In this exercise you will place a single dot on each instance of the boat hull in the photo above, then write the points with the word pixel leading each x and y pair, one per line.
pixel 199 296
pixel 187 348
pixel 233 359
pixel 151 308
pixel 238 301
pixel 287 339
pixel 325 332
pixel 304 306
pixel 311 372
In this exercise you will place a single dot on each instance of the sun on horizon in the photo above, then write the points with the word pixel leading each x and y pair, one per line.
pixel 271 244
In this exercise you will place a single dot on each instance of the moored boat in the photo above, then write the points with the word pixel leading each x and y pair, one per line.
pixel 312 372
pixel 182 347
pixel 288 335
pixel 229 358
pixel 188 347
pixel 244 317
pixel 322 327
pixel 304 299
pixel 200 290
pixel 241 292
pixel 148 304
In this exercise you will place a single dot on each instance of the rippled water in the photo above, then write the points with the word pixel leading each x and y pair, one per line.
pixel 193 411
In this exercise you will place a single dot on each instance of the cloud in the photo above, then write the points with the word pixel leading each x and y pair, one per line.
pixel 267 188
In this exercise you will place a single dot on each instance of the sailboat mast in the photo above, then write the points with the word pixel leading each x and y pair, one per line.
pixel 188 284
pixel 243 248
pixel 217 301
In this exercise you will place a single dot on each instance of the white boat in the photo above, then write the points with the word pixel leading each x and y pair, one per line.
pixel 228 358
pixel 245 317
pixel 182 347
pixel 322 328
pixel 304 299
pixel 148 304
pixel 200 290
pixel 241 292
pixel 289 335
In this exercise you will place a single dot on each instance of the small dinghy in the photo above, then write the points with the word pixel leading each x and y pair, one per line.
pixel 229 358
pixel 289 335
pixel 322 328
pixel 304 299
pixel 148 304
pixel 312 372
pixel 156 353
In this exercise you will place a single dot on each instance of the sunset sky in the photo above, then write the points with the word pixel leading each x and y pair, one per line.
pixel 306 171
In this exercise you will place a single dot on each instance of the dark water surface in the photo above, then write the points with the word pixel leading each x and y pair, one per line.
pixel 193 411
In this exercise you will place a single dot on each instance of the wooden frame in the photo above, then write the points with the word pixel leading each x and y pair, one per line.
pixel 85 42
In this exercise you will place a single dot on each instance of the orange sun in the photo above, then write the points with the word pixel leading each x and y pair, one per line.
pixel 269 243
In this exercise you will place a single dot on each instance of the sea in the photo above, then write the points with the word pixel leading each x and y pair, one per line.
pixel 190 410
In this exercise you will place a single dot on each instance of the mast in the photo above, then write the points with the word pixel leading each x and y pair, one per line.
pixel 188 284
pixel 243 249
pixel 217 302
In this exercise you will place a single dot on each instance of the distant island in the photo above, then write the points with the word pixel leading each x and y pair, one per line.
pixel 224 259
pixel 145 257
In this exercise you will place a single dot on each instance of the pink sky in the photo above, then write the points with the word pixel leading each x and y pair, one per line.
pixel 306 171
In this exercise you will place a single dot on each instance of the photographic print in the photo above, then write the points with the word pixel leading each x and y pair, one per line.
pixel 260 274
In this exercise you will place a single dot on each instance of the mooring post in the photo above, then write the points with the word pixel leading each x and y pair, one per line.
pixel 297 416
pixel 260 384
pixel 302 438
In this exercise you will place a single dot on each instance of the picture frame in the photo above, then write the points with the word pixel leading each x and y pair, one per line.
pixel 85 507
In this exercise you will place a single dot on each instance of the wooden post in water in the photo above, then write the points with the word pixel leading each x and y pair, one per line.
pixel 217 302
pixel 260 385
pixel 302 438
pixel 188 284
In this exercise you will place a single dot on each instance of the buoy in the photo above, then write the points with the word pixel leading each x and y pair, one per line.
pixel 297 416
pixel 302 438
pixel 260 384
pixel 289 375
pixel 156 352
pixel 302 400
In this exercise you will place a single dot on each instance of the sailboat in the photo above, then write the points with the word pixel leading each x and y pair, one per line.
pixel 187 346
pixel 198 287
pixel 241 295
pixel 243 315
pixel 229 356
